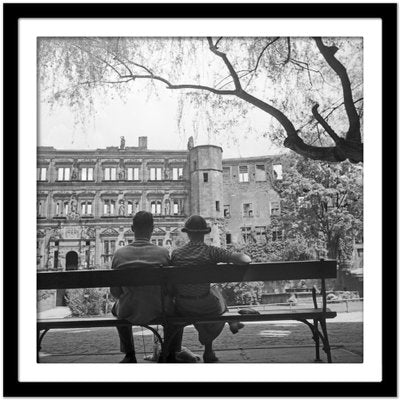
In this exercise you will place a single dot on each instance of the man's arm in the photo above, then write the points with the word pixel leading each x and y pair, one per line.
pixel 116 291
pixel 219 254
pixel 239 258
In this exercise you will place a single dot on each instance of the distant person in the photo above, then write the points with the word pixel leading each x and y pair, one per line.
pixel 201 299
pixel 140 305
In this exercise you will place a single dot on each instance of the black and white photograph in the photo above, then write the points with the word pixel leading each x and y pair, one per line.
pixel 192 152
pixel 203 196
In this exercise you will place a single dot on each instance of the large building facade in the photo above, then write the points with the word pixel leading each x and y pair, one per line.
pixel 86 199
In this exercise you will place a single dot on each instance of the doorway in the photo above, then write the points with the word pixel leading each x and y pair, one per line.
pixel 71 261
pixel 60 298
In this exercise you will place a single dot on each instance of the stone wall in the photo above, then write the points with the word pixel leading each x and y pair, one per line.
pixel 256 192
pixel 206 181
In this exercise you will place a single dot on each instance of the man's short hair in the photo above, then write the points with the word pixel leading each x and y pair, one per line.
pixel 142 220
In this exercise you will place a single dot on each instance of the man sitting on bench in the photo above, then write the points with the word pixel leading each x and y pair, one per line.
pixel 140 305
pixel 201 300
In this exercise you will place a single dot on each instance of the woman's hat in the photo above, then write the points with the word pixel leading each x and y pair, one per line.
pixel 195 223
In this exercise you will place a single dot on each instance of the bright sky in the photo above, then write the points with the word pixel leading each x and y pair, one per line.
pixel 154 118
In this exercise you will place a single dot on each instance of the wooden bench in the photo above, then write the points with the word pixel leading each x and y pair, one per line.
pixel 314 317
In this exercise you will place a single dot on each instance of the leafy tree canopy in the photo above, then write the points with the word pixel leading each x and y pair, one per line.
pixel 322 203
pixel 308 89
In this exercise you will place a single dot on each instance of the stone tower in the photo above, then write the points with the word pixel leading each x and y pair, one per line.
pixel 205 163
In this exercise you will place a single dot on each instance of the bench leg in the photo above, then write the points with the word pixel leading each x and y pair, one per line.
pixel 157 335
pixel 315 335
pixel 170 331
pixel 324 337
pixel 316 340
pixel 39 342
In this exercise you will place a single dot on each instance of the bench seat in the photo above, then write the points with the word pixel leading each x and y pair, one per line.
pixel 162 276
pixel 270 315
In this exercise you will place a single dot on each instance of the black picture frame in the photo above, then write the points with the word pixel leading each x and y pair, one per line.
pixel 12 12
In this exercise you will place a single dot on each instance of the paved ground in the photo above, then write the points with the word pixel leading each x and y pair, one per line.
pixel 281 342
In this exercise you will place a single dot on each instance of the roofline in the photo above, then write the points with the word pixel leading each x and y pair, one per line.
pixel 208 145
pixel 240 159
pixel 108 151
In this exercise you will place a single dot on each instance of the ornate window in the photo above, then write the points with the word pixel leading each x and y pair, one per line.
pixel 155 173
pixel 133 207
pixel 175 207
pixel 66 207
pixel 58 208
pixel 133 173
pixel 177 173
pixel 178 206
pixel 156 207
pixel 243 173
pixel 64 173
pixel 110 173
pixel 87 174
pixel 109 207
pixel 108 249
pixel 130 207
pixel 41 174
pixel 86 207
pixel 40 208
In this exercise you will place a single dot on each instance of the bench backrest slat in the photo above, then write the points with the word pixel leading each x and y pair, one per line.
pixel 142 276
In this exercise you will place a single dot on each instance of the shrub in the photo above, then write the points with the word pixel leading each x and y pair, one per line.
pixel 86 302
pixel 44 294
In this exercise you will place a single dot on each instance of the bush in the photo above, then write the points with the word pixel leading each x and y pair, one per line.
pixel 241 293
pixel 44 294
pixel 86 302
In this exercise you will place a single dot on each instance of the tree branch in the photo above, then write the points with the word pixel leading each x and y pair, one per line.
pixel 249 71
pixel 329 154
pixel 180 86
pixel 340 152
pixel 341 104
pixel 217 42
pixel 222 55
pixel 325 124
pixel 328 52
pixel 98 58
pixel 277 114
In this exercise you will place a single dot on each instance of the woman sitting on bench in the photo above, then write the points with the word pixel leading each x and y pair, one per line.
pixel 199 299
